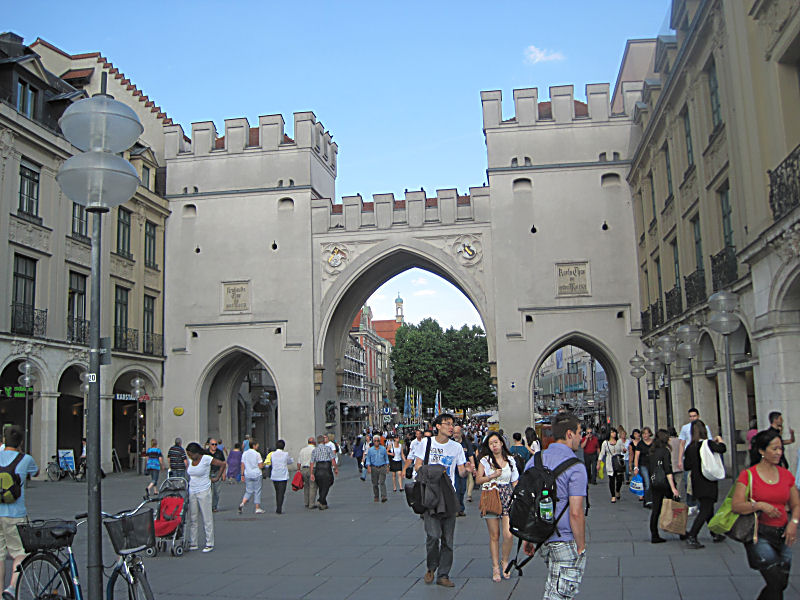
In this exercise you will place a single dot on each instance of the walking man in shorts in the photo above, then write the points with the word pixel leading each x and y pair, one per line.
pixel 15 512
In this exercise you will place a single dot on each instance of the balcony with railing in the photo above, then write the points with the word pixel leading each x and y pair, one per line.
pixel 695 284
pixel 784 185
pixel 674 302
pixel 657 314
pixel 78 331
pixel 27 320
pixel 645 314
pixel 126 340
pixel 153 344
pixel 724 270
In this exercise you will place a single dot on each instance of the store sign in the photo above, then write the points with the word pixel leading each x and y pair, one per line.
pixel 15 391
pixel 572 279
pixel 236 296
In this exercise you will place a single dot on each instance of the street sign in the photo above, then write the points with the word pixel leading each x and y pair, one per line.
pixel 387 418
pixel 387 410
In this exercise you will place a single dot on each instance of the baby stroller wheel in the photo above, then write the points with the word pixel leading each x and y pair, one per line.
pixel 178 550
pixel 151 552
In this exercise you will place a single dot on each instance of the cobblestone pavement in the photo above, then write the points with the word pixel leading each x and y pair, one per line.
pixel 361 549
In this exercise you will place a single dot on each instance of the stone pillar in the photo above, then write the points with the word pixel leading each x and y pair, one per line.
pixel 106 437
pixel 44 428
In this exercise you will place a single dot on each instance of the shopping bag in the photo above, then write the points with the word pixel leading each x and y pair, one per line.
pixel 673 517
pixel 637 485
pixel 297 481
pixel 742 528
pixel 711 463
pixel 601 469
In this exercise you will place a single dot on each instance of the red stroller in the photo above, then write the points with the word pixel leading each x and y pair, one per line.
pixel 170 521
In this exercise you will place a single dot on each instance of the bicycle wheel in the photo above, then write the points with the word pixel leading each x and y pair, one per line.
pixel 42 576
pixel 53 471
pixel 138 590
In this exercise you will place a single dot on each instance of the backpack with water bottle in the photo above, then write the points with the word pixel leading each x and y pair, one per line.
pixel 532 513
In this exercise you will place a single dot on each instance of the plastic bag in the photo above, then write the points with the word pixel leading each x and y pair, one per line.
pixel 637 485
pixel 601 469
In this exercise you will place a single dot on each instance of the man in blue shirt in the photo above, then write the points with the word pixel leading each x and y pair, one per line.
pixel 565 552
pixel 13 513
pixel 377 464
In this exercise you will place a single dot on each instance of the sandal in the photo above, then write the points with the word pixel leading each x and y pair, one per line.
pixel 613 499
pixel 495 573
pixel 503 566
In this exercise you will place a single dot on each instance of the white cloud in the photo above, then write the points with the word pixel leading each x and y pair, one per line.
pixel 377 298
pixel 419 281
pixel 535 55
pixel 425 293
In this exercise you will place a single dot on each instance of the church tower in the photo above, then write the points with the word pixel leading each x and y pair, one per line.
pixel 398 309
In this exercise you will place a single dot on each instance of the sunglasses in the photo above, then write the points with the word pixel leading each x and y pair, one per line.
pixel 212 444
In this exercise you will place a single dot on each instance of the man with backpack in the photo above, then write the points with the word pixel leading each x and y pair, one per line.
pixel 15 466
pixel 564 551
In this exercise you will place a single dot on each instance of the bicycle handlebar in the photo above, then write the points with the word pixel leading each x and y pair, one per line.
pixel 117 515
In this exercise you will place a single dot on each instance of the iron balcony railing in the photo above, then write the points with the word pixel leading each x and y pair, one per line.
pixel 724 270
pixel 27 320
pixel 646 321
pixel 153 344
pixel 784 185
pixel 78 331
pixel 695 284
pixel 126 339
pixel 657 314
pixel 674 302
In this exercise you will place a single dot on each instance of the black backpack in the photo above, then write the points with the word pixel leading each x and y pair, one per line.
pixel 10 481
pixel 658 476
pixel 414 490
pixel 525 521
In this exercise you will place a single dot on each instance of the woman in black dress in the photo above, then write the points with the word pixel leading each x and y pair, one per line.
pixel 704 490
pixel 661 483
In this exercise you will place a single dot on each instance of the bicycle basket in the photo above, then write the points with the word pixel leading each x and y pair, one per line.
pixel 46 535
pixel 131 533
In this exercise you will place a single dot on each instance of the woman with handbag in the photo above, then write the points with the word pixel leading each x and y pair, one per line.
pixel 611 454
pixel 497 475
pixel 661 483
pixel 772 490
pixel 641 462
pixel 704 490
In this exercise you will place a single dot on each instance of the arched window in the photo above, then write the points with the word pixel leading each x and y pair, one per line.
pixel 286 204
pixel 189 211
pixel 610 179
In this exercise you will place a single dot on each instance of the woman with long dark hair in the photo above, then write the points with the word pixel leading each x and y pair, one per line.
pixel 661 485
pixel 498 469
pixel 610 448
pixel 704 490
pixel 532 440
pixel 771 492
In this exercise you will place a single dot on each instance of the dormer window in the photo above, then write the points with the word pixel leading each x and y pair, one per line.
pixel 146 177
pixel 26 98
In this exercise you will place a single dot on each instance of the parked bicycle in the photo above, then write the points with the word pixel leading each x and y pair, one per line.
pixel 50 572
pixel 56 472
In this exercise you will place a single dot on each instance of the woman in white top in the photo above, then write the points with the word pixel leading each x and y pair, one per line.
pixel 396 458
pixel 280 473
pixel 610 448
pixel 498 469
pixel 252 463
pixel 200 494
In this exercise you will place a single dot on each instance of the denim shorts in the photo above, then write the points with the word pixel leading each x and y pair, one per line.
pixel 769 550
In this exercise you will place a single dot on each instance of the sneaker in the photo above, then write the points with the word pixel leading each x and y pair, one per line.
pixel 428 577
pixel 259 511
pixel 445 581
pixel 241 506
pixel 693 510
pixel 693 544
pixel 208 549
pixel 193 548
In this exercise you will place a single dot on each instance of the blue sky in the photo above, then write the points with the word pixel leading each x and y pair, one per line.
pixel 397 84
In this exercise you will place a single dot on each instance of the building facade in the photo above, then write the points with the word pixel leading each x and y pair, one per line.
pixel 46 266
pixel 716 185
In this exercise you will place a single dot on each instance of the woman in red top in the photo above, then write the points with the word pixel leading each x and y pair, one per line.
pixel 772 490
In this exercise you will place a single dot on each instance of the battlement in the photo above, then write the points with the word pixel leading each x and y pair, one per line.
pixel 562 107
pixel 239 137
pixel 386 212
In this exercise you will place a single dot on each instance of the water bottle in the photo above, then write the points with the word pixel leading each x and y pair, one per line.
pixel 546 508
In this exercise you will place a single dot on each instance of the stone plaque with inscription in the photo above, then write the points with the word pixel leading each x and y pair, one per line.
pixel 572 279
pixel 236 296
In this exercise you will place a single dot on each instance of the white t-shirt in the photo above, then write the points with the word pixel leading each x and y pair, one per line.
pixel 280 465
pixel 199 480
pixel 449 455
pixel 250 460
pixel 686 433
pixel 510 473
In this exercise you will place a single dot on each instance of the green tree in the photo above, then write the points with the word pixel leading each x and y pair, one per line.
pixel 454 361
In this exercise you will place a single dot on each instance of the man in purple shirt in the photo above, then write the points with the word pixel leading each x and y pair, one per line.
pixel 565 552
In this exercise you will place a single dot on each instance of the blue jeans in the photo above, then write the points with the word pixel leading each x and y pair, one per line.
pixel 461 489
pixel 773 559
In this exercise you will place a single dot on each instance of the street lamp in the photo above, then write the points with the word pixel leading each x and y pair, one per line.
pixel 26 380
pixel 137 391
pixel 654 366
pixel 666 345
pixel 722 320
pixel 688 350
pixel 637 371
pixel 99 179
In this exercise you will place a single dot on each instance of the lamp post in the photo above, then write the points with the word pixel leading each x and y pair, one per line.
pixel 137 390
pixel 688 350
pixel 98 178
pixel 667 355
pixel 654 366
pixel 722 320
pixel 637 371
pixel 26 380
